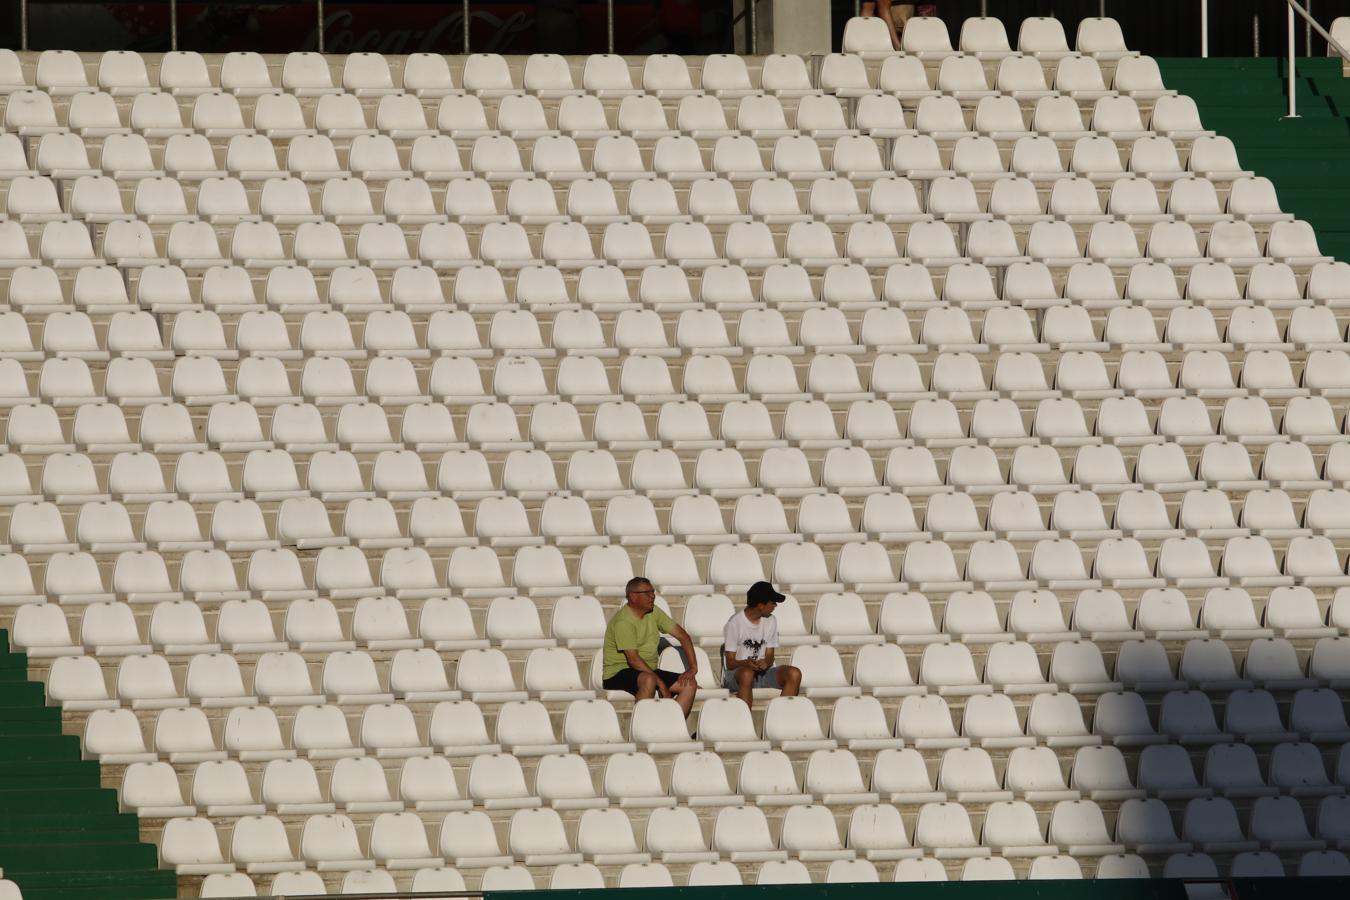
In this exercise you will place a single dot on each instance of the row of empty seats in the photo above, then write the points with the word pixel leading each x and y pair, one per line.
pixel 592 726
pixel 903 105
pixel 185 72
pixel 966 325
pixel 703 465
pixel 350 676
pixel 742 834
pixel 361 784
pixel 629 246
pixel 1021 200
pixel 865 566
pixel 1262 392
pixel 166 289
pixel 38 527
pixel 575 876
pixel 587 875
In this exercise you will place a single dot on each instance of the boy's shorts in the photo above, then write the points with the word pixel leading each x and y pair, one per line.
pixel 766 679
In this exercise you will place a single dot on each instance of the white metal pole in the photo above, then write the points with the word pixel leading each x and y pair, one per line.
pixel 1293 85
pixel 1204 29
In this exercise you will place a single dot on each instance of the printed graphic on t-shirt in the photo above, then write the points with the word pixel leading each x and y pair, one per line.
pixel 750 640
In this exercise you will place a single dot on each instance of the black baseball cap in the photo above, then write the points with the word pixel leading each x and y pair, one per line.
pixel 762 592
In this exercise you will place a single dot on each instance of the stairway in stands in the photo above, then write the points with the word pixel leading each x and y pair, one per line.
pixel 61 835
pixel 1247 100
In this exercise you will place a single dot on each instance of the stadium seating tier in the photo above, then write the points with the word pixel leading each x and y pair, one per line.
pixel 342 395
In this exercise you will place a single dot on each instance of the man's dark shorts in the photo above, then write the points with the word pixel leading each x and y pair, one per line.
pixel 627 680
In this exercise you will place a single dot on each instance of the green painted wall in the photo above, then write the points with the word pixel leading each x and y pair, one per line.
pixel 61 835
pixel 1306 158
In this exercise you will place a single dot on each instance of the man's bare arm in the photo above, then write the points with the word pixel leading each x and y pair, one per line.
pixel 687 643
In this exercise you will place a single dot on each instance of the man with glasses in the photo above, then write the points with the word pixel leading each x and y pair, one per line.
pixel 633 645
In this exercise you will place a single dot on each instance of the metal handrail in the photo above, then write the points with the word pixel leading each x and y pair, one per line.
pixel 1295 6
pixel 1293 61
pixel 1204 29
pixel 754 27
pixel 1312 25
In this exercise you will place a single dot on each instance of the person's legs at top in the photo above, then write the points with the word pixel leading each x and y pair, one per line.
pixel 789 679
pixel 885 13
pixel 895 15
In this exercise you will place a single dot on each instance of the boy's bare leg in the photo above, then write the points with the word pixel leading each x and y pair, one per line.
pixel 745 685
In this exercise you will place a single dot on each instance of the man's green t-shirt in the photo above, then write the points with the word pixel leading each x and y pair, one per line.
pixel 627 632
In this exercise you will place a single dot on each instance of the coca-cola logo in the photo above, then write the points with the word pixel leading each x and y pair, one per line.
pixel 491 33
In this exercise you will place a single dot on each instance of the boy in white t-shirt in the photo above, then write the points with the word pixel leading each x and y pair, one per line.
pixel 748 642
